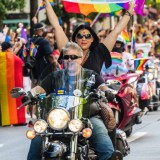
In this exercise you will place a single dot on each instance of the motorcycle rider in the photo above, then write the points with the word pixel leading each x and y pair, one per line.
pixel 72 57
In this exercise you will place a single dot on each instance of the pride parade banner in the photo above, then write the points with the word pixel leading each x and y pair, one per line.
pixel 11 76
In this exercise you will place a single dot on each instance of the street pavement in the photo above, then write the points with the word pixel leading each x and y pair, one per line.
pixel 144 141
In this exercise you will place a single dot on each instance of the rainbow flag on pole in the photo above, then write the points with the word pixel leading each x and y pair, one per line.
pixel 140 63
pixel 102 6
pixel 11 76
pixel 87 6
pixel 125 35
pixel 42 5
pixel 116 58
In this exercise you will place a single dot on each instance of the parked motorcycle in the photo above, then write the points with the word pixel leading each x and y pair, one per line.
pixel 126 107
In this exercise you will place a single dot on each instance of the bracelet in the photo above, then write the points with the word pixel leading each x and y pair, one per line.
pixel 128 13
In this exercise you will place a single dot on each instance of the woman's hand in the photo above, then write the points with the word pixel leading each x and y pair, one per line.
pixel 132 5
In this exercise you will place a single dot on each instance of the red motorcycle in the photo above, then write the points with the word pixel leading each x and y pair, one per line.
pixel 125 107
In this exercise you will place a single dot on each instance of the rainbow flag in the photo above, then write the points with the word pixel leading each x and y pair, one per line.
pixel 139 7
pixel 117 13
pixel 117 68
pixel 42 4
pixel 140 63
pixel 102 6
pixel 125 35
pixel 33 49
pixel 11 76
pixel 133 39
pixel 24 52
pixel 87 6
pixel 116 58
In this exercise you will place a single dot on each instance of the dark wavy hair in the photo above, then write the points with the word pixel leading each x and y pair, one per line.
pixel 95 37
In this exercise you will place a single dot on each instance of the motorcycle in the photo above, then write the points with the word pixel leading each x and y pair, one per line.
pixel 65 133
pixel 63 130
pixel 63 119
pixel 125 107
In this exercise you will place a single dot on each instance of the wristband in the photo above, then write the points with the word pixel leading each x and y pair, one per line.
pixel 128 13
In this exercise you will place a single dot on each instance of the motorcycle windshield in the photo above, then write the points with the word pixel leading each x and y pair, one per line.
pixel 69 88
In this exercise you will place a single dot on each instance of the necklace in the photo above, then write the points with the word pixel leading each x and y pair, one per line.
pixel 85 58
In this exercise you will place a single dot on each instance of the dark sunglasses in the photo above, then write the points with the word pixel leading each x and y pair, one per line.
pixel 86 36
pixel 50 37
pixel 72 57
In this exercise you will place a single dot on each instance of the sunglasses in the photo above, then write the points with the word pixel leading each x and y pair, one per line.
pixel 50 37
pixel 86 36
pixel 72 57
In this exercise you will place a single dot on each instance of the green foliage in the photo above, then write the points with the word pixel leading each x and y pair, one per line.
pixel 7 5
pixel 154 3
pixel 13 4
pixel 2 11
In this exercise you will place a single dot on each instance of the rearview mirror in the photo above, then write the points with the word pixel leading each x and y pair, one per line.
pixel 17 92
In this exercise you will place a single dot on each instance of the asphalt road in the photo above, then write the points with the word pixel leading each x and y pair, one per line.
pixel 144 141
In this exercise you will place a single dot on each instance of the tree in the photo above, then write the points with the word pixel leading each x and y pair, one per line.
pixel 7 5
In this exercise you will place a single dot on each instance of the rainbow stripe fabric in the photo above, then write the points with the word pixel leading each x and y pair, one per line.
pixel 33 49
pixel 87 6
pixel 125 35
pixel 116 58
pixel 133 40
pixel 139 64
pixel 11 76
pixel 42 5
pixel 117 13
pixel 117 63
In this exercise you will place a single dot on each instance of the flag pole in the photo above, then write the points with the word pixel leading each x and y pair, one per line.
pixel 132 41
pixel 36 12
pixel 97 16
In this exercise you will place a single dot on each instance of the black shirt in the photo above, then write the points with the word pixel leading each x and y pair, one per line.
pixel 59 80
pixel 97 57
pixel 44 50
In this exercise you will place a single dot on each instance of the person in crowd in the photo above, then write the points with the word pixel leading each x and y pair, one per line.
pixel 51 38
pixel 72 58
pixel 44 50
pixel 18 48
pixel 6 47
pixel 94 53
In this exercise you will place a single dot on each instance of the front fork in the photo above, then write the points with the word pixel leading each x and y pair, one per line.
pixel 73 146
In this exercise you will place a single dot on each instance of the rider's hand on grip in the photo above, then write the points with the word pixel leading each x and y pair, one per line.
pixel 29 98
pixel 25 99
pixel 110 96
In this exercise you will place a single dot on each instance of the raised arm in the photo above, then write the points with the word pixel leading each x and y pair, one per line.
pixel 60 36
pixel 110 40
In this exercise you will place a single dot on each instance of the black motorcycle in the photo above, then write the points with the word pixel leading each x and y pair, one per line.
pixel 64 129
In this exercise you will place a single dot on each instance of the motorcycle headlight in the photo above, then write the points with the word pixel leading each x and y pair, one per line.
pixel 75 125
pixel 58 119
pixel 40 126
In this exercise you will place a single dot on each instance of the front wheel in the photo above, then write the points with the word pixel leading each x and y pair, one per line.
pixel 128 132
